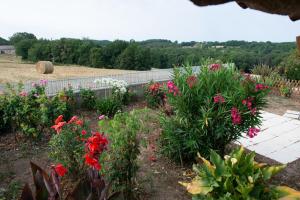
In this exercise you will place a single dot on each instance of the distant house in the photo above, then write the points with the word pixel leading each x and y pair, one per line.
pixel 7 49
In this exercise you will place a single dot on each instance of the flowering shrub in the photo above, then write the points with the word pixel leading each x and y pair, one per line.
pixel 154 94
pixel 75 146
pixel 238 176
pixel 212 108
pixel 119 87
pixel 88 98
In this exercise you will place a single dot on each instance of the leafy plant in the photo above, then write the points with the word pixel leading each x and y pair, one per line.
pixel 154 94
pixel 285 90
pixel 236 177
pixel 88 98
pixel 122 164
pixel 109 106
pixel 212 108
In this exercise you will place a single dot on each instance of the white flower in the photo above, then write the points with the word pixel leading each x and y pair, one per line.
pixel 119 86
pixel 233 160
pixel 226 157
pixel 250 179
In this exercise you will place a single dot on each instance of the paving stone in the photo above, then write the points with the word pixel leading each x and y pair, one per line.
pixel 285 155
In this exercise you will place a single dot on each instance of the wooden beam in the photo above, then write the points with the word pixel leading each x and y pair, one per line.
pixel 298 43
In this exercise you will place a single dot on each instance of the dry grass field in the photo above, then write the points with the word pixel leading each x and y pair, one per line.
pixel 12 69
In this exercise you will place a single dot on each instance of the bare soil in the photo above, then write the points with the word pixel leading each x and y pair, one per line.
pixel 12 69
pixel 157 178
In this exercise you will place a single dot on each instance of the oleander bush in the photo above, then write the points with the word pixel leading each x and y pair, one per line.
pixel 212 108
pixel 88 98
pixel 237 177
pixel 154 94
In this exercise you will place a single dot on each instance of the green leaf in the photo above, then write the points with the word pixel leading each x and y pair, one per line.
pixel 219 164
pixel 268 172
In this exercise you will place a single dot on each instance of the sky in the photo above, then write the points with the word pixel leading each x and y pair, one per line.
pixel 177 20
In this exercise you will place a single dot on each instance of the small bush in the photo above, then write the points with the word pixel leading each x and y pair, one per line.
pixel 212 108
pixel 109 106
pixel 285 90
pixel 154 94
pixel 88 98
pixel 263 70
pixel 122 163
pixel 236 177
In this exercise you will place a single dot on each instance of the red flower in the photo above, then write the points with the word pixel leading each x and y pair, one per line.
pixel 83 132
pixel 96 143
pixel 219 99
pixel 260 86
pixel 253 111
pixel 79 122
pixel 58 126
pixel 235 116
pixel 60 170
pixel 92 162
pixel 253 132
pixel 60 118
pixel 191 81
pixel 152 158
pixel 73 119
pixel 214 67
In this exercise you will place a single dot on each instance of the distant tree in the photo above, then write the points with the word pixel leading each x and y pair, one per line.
pixel 3 41
pixel 112 51
pixel 23 46
pixel 17 37
pixel 96 57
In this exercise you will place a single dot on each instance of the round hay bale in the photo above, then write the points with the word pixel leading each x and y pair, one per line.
pixel 44 67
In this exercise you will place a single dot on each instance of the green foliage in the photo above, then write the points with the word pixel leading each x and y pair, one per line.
pixel 285 90
pixel 23 47
pixel 88 98
pixel 122 165
pixel 292 66
pixel 237 177
pixel 96 59
pixel 263 70
pixel 66 147
pixel 154 94
pixel 30 113
pixel 18 37
pixel 109 106
pixel 206 106
pixel 3 41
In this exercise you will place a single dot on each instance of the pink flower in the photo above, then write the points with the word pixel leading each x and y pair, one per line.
pixel 253 132
pixel 172 88
pixel 33 84
pixel 101 117
pixel 219 99
pixel 43 82
pixel 253 111
pixel 83 132
pixel 23 94
pixel 73 119
pixel 214 67
pixel 235 116
pixel 191 81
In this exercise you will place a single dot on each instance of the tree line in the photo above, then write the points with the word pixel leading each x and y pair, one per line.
pixel 144 55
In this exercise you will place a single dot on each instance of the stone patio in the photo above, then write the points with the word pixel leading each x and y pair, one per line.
pixel 279 138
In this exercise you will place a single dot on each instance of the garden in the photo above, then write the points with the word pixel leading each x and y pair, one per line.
pixel 173 140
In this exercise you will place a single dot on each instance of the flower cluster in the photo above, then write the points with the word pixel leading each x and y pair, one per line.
pixel 253 132
pixel 214 67
pixel 95 145
pixel 59 123
pixel 191 81
pixel 23 94
pixel 172 88
pixel 154 88
pixel 249 103
pixel 236 116
pixel 120 86
pixel 219 99
pixel 260 86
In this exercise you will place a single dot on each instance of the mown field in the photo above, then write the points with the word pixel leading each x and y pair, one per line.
pixel 12 69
